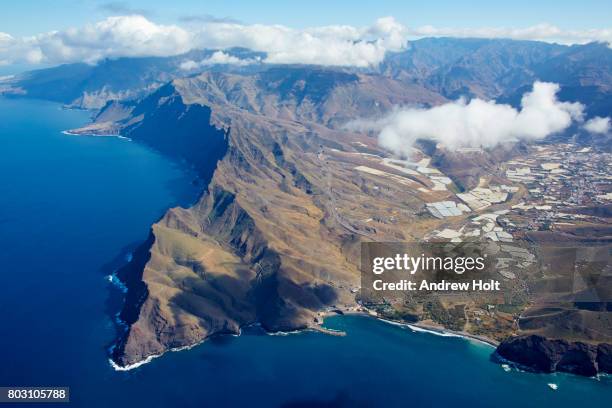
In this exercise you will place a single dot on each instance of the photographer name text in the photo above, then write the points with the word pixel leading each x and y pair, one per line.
pixel 489 285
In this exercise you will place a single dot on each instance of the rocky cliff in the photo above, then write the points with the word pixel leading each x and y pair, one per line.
pixel 546 355
pixel 291 194
pixel 274 239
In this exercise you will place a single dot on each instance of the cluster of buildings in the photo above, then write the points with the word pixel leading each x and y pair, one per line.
pixel 559 181
pixel 443 209
pixel 560 178
pixel 480 198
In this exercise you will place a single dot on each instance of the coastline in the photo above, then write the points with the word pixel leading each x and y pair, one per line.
pixel 150 358
pixel 414 327
pixel 438 331
pixel 429 328
pixel 72 133
pixel 147 360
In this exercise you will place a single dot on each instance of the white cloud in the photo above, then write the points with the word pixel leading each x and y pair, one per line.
pixel 218 57
pixel 329 45
pixel 189 65
pixel 127 36
pixel 6 44
pixel 137 36
pixel 343 45
pixel 477 123
pixel 598 125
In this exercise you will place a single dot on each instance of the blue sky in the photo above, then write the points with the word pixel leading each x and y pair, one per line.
pixel 27 17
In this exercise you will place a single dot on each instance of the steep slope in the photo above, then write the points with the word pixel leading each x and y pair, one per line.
pixel 91 86
pixel 471 67
pixel 505 69
pixel 275 238
pixel 492 69
pixel 291 194
pixel 299 93
pixel 585 73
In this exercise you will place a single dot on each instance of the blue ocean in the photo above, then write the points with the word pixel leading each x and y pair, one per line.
pixel 71 210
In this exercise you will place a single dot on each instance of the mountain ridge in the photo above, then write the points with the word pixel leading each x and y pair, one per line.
pixel 291 193
pixel 451 67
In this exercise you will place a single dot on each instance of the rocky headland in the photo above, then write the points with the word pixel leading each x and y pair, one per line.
pixel 540 354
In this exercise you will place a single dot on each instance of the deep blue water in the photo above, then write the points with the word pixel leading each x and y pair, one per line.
pixel 70 208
